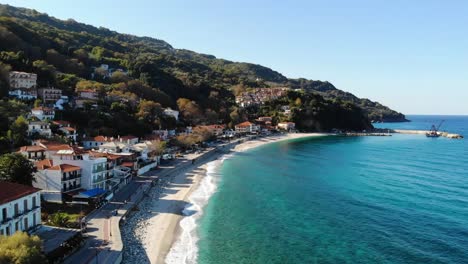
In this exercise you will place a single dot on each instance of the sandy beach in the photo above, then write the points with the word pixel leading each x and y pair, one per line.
pixel 154 229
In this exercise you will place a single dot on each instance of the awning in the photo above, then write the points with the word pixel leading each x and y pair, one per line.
pixel 91 193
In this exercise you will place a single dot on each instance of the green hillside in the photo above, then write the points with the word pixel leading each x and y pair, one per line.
pixel 65 54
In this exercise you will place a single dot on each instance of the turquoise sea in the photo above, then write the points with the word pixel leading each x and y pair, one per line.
pixel 399 199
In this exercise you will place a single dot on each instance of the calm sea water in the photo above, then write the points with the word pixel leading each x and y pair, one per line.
pixel 399 199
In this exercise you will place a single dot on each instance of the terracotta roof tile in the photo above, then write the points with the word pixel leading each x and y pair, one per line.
pixel 12 191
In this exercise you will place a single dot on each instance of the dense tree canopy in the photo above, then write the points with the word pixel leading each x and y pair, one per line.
pixel 14 167
pixel 21 249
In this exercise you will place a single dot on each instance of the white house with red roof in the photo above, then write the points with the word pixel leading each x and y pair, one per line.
pixel 33 152
pixel 246 127
pixel 20 208
pixel 95 142
pixel 43 113
pixel 58 182
pixel 39 127
pixel 286 126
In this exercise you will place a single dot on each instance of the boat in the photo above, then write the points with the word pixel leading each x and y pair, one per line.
pixel 434 132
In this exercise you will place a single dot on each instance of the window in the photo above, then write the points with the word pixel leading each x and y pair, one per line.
pixel 7 230
pixel 34 202
pixel 4 214
pixel 16 209
pixel 34 219
pixel 17 226
pixel 26 224
pixel 25 205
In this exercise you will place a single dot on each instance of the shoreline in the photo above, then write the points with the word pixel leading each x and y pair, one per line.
pixel 156 229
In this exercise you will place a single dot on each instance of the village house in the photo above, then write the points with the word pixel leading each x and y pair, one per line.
pixel 66 129
pixel 43 113
pixel 229 133
pixel 246 127
pixel 69 132
pixel 216 130
pixel 163 134
pixel 114 147
pixel 94 170
pixel 288 126
pixel 49 95
pixel 24 93
pixel 23 80
pixel 121 175
pixel 39 127
pixel 95 142
pixel 33 152
pixel 173 113
pixel 88 94
pixel 58 183
pixel 20 208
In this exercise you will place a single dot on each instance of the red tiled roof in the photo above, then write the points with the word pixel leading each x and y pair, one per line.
pixel 61 122
pixel 44 164
pixel 57 147
pixel 12 191
pixel 98 139
pixel 69 129
pixel 31 148
pixel 43 109
pixel 128 137
pixel 244 124
pixel 127 164
pixel 65 168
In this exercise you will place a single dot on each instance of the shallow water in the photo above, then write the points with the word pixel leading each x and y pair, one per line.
pixel 399 199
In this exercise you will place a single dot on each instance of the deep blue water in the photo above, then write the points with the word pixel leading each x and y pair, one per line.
pixel 399 199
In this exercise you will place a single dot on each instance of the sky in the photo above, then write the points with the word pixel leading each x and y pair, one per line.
pixel 409 55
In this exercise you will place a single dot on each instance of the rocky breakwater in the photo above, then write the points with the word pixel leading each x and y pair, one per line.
pixel 423 132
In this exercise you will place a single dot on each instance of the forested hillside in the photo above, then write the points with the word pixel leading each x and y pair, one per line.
pixel 67 55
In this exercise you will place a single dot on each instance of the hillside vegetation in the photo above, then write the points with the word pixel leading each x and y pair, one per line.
pixel 65 55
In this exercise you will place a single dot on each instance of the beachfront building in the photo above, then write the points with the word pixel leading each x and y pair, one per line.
pixel 20 208
pixel 22 80
pixel 58 183
pixel 216 130
pixel 229 133
pixel 173 113
pixel 93 169
pixel 288 126
pixel 40 128
pixel 43 113
pixel 49 95
pixel 246 127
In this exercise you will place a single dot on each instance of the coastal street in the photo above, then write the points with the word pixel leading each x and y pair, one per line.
pixel 100 244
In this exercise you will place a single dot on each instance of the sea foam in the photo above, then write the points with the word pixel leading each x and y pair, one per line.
pixel 184 250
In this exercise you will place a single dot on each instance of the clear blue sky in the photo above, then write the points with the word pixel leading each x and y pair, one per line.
pixel 409 55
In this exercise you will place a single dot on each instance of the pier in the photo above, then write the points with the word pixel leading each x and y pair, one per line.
pixel 421 132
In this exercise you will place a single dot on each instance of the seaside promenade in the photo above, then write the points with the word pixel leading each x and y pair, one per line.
pixel 104 243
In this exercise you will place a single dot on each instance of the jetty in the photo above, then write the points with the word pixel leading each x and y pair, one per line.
pixel 422 132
